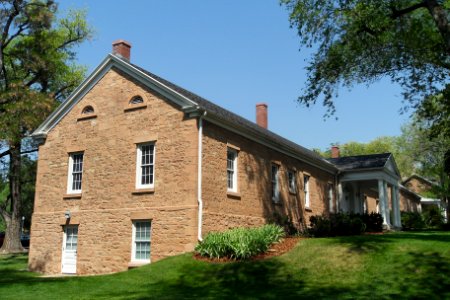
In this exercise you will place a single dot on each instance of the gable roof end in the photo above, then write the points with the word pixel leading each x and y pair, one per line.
pixel 111 61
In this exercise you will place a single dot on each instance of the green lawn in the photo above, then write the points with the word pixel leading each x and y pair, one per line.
pixel 397 265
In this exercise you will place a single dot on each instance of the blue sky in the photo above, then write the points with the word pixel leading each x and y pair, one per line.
pixel 237 53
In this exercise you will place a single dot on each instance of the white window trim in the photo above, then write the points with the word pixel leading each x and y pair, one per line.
pixel 306 180
pixel 276 196
pixel 133 243
pixel 293 188
pixel 235 170
pixel 139 185
pixel 70 174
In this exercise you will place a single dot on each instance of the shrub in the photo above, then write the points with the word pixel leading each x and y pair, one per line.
pixel 340 224
pixel 240 243
pixel 445 226
pixel 433 217
pixel 285 222
pixel 412 220
pixel 373 221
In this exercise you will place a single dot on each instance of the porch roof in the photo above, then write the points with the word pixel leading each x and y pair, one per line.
pixel 359 162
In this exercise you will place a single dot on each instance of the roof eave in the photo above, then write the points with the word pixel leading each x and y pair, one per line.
pixel 323 165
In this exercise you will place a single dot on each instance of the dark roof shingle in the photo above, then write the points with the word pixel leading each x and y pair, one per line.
pixel 360 161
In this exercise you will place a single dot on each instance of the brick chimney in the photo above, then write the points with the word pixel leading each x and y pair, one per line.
pixel 261 114
pixel 122 49
pixel 335 152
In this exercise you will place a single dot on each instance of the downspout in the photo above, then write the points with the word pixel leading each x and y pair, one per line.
pixel 199 178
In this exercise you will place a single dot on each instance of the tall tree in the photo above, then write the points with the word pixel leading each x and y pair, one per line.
pixel 428 156
pixel 361 41
pixel 37 69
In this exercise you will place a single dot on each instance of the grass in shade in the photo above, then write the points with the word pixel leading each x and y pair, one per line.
pixel 394 265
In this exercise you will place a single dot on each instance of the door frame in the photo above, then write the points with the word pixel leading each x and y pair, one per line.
pixel 63 248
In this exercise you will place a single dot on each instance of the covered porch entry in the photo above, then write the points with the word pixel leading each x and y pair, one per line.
pixel 374 195
pixel 369 183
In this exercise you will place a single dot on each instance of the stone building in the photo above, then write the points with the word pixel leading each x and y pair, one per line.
pixel 423 189
pixel 133 168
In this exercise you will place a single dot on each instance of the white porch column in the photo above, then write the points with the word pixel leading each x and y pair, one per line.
pixel 395 206
pixel 339 198
pixel 386 203
pixel 397 201
pixel 382 197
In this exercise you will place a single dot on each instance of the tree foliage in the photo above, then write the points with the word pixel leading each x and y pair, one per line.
pixel 361 41
pixel 37 69
pixel 382 144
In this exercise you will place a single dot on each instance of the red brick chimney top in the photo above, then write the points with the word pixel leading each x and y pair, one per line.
pixel 335 152
pixel 261 115
pixel 121 48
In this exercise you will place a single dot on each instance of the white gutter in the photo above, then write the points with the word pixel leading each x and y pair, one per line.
pixel 199 179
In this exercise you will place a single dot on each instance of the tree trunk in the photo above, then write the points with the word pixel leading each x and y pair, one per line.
pixel 439 14
pixel 12 244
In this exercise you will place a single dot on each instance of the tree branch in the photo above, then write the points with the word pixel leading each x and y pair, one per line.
pixel 5 33
pixel 29 151
pixel 19 31
pixel 4 153
pixel 8 152
pixel 11 18
pixel 396 13
pixel 59 92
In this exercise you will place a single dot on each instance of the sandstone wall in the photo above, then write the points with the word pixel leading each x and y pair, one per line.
pixel 252 204
pixel 104 210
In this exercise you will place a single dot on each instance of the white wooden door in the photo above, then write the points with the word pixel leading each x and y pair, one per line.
pixel 69 254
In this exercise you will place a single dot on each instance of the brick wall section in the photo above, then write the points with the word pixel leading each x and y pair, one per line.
pixel 253 205
pixel 371 196
pixel 108 205
pixel 408 203
pixel 418 186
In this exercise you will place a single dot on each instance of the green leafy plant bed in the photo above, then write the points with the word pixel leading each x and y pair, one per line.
pixel 277 249
pixel 240 243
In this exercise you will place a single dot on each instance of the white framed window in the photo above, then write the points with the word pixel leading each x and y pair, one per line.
pixel 306 188
pixel 275 182
pixel 75 176
pixel 292 181
pixel 232 170
pixel 141 241
pixel 330 196
pixel 145 166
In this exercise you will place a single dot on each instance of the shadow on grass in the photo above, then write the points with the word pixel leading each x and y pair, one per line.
pixel 379 243
pixel 427 275
pixel 270 279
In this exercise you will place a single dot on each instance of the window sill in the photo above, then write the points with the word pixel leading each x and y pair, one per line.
pixel 135 264
pixel 134 107
pixel 72 196
pixel 308 209
pixel 293 192
pixel 235 195
pixel 86 117
pixel 143 191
